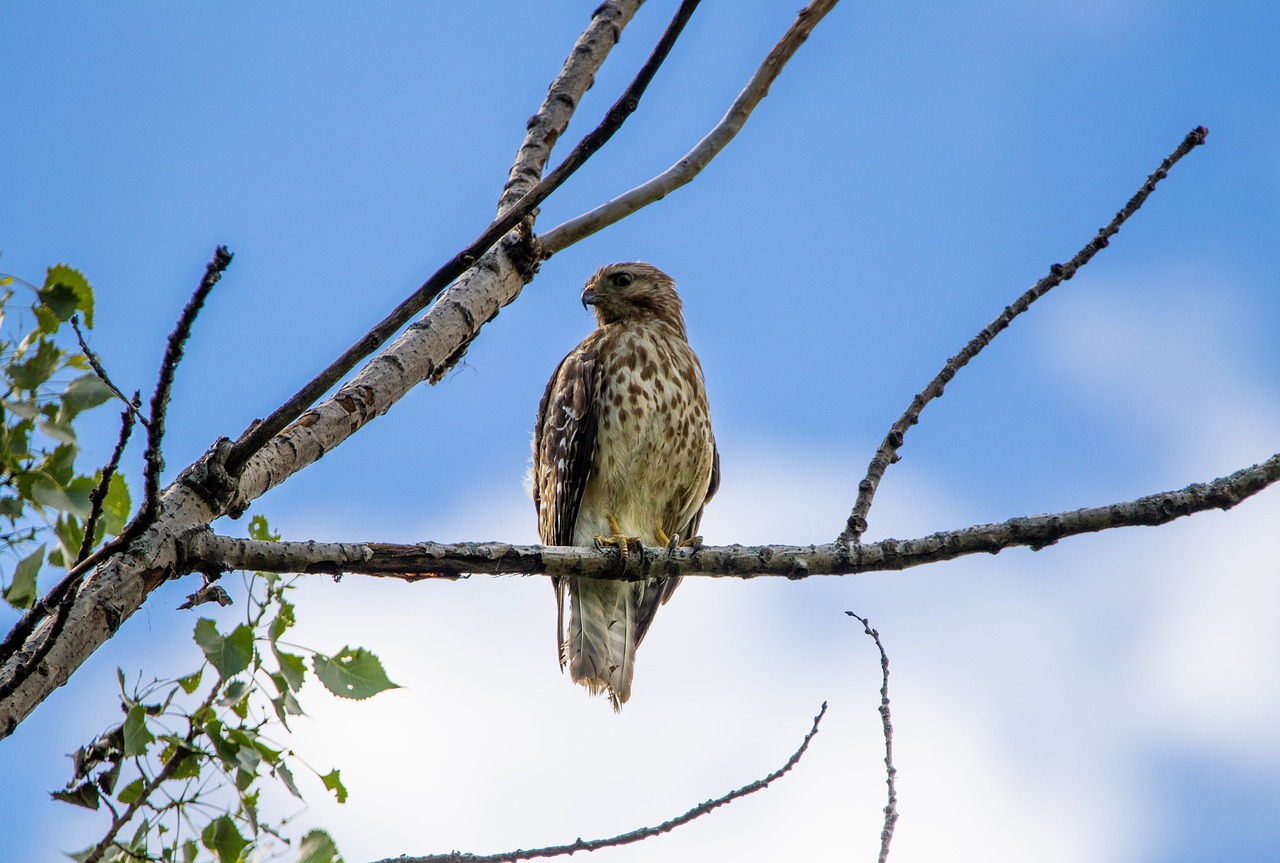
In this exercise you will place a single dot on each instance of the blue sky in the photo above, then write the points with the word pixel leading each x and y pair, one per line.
pixel 914 169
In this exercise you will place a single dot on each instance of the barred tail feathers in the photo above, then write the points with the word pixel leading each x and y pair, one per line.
pixel 604 632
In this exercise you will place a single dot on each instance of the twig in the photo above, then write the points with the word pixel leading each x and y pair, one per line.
pixel 154 457
pixel 203 549
pixel 257 435
pixel 891 772
pixel 856 525
pixel 99 494
pixel 632 836
pixel 96 365
pixel 688 167
pixel 170 767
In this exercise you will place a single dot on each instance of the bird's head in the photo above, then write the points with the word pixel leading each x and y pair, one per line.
pixel 633 292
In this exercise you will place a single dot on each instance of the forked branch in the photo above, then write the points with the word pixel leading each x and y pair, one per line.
pixel 692 163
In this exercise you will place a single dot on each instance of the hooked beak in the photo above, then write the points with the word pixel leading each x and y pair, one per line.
pixel 588 298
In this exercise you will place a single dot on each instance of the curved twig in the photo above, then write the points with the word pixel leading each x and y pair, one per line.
pixel 692 163
pixel 257 435
pixel 887 453
pixel 101 372
pixel 891 772
pixel 634 835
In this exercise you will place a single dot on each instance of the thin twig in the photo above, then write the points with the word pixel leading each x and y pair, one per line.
pixel 891 772
pixel 154 456
pixel 204 549
pixel 98 496
pixel 625 838
pixel 692 163
pixel 856 524
pixel 166 772
pixel 257 435
pixel 101 372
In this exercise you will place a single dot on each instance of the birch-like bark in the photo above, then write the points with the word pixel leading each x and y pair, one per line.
pixel 692 163
pixel 118 587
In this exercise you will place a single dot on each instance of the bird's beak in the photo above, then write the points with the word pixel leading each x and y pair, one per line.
pixel 588 298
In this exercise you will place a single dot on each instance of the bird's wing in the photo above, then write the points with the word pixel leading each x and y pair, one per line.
pixel 564 439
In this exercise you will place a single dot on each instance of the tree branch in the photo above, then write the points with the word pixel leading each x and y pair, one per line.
pixel 204 550
pixel 688 167
pixel 99 494
pixel 891 772
pixel 257 435
pixel 887 453
pixel 101 372
pixel 625 838
pixel 173 351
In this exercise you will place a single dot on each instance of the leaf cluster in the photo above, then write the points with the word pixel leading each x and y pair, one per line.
pixel 196 750
pixel 45 498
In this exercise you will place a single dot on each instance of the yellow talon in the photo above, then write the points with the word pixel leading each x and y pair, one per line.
pixel 618 539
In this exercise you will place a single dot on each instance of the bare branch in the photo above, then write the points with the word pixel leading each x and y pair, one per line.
pixel 99 494
pixel 257 435
pixel 856 525
pixel 101 372
pixel 633 836
pixel 891 772
pixel 173 351
pixel 565 235
pixel 204 550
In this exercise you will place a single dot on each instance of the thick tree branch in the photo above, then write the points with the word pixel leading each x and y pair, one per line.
pixel 257 435
pixel 205 550
pixel 887 453
pixel 633 836
pixel 565 235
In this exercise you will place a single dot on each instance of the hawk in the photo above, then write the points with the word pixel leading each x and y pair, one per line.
pixel 622 452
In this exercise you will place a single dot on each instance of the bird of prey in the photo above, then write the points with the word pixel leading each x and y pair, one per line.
pixel 622 452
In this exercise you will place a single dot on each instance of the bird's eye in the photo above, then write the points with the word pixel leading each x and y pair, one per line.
pixel 622 279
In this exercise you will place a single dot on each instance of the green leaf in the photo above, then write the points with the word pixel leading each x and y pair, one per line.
pixel 85 392
pixel 352 673
pixel 26 410
pixel 190 851
pixel 36 369
pixel 333 782
pixel 85 794
pixel 116 506
pixel 294 669
pixel 58 431
pixel 230 655
pixel 65 291
pixel 47 494
pixel 223 839
pixel 131 792
pixel 282 621
pixel 318 847
pixel 191 682
pixel 136 736
pixel 235 693
pixel 285 775
pixel 21 592
pixel 261 531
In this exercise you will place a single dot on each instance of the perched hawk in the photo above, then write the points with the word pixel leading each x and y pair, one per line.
pixel 622 450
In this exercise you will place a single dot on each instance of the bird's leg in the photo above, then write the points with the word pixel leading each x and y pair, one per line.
pixel 618 539
pixel 674 541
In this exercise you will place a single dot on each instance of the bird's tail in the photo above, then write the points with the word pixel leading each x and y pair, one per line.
pixel 605 628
